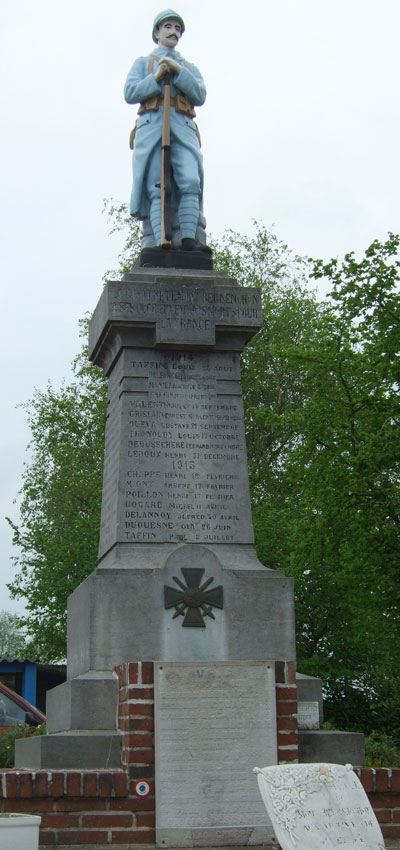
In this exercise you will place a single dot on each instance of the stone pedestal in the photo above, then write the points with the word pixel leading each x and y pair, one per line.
pixel 178 578
pixel 178 581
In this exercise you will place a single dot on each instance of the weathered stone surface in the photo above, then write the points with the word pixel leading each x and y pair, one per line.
pixel 84 749
pixel 86 702
pixel 175 466
pixel 118 614
pixel 319 806
pixel 173 309
pixel 309 689
pixel 211 720
pixel 178 580
pixel 333 747
pixel 308 714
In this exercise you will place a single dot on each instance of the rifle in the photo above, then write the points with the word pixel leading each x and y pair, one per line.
pixel 166 177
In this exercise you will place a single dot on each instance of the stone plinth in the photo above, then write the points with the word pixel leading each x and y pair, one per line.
pixel 178 581
pixel 176 491
pixel 118 615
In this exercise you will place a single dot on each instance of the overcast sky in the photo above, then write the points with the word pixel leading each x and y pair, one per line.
pixel 300 130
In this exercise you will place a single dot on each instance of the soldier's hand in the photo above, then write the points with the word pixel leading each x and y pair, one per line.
pixel 162 70
pixel 172 65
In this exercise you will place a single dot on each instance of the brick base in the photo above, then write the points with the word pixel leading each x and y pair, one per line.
pixel 102 807
pixel 80 807
pixel 382 785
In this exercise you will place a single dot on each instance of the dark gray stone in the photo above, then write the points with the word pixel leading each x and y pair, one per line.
pixel 175 497
pixel 203 310
pixel 175 490
pixel 77 750
pixel 118 614
pixel 175 466
pixel 171 258
pixel 333 747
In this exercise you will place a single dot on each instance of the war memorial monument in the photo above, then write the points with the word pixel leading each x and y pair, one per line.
pixel 178 582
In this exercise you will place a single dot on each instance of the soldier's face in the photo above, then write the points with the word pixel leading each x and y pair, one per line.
pixel 168 34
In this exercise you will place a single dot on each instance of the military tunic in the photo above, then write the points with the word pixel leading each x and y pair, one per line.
pixel 141 85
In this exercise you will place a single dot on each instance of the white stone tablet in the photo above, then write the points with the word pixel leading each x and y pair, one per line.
pixel 308 714
pixel 319 807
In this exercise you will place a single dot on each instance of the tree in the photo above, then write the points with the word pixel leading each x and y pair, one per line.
pixel 60 502
pixel 348 502
pixel 12 638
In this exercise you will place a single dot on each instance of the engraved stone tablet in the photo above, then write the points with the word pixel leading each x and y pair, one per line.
pixel 210 719
pixel 175 461
pixel 319 807
pixel 308 714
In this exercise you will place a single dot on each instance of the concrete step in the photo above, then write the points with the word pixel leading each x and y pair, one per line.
pixel 84 749
pixel 89 701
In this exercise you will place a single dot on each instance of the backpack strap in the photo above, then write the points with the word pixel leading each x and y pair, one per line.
pixel 150 66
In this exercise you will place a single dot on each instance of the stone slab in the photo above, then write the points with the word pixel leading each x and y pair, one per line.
pixel 233 836
pixel 73 750
pixel 319 807
pixel 176 310
pixel 175 464
pixel 119 615
pixel 333 747
pixel 308 714
pixel 309 689
pixel 210 721
pixel 86 702
pixel 175 259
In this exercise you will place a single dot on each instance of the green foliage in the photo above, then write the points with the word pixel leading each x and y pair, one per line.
pixel 343 479
pixel 321 397
pixel 121 221
pixel 381 750
pixel 60 501
pixel 12 637
pixel 8 738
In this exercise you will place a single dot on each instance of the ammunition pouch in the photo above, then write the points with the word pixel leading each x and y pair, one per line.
pixel 179 102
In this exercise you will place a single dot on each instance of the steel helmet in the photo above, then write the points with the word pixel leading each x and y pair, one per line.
pixel 166 15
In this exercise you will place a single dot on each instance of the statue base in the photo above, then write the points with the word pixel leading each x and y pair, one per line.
pixel 174 258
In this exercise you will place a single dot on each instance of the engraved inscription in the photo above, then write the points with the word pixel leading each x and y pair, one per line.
pixel 194 307
pixel 317 806
pixel 199 713
pixel 183 464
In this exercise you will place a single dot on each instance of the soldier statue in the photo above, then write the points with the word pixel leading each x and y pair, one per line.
pixel 147 84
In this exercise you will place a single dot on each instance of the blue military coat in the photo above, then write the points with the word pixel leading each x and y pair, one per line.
pixel 139 86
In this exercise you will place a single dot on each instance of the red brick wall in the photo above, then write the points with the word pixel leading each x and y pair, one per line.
pixel 101 807
pixel 77 807
pixel 136 722
pixel 382 785
pixel 286 711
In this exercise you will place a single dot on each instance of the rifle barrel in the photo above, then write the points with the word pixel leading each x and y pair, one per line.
pixel 165 182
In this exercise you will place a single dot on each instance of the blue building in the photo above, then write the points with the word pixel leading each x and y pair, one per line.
pixel 30 679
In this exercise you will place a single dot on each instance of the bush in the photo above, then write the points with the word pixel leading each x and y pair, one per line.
pixel 8 738
pixel 381 750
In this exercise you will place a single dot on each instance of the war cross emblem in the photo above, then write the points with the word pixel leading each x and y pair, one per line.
pixel 193 601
